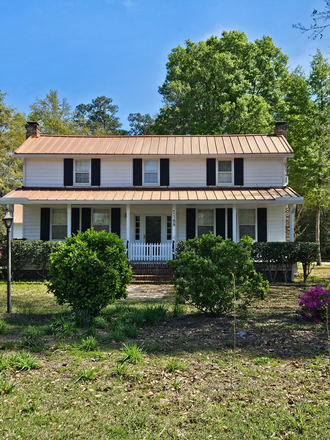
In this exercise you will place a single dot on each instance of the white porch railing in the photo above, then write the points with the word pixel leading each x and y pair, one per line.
pixel 150 251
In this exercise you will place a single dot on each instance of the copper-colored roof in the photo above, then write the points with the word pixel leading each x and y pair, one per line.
pixel 18 214
pixel 156 145
pixel 132 195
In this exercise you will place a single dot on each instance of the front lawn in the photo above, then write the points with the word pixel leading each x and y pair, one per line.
pixel 180 378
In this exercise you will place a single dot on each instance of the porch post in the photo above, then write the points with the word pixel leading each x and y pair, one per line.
pixel 128 223
pixel 234 224
pixel 68 226
pixel 292 209
pixel 173 229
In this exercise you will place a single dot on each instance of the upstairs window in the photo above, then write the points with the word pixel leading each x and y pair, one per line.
pixel 82 172
pixel 151 172
pixel 225 173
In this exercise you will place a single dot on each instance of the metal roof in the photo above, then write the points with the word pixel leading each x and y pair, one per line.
pixel 156 145
pixel 132 195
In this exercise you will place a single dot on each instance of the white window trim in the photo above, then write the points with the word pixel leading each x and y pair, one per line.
pixel 255 224
pixel 232 172
pixel 158 173
pixel 51 226
pixel 89 172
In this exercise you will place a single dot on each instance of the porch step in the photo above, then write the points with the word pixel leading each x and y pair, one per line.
pixel 151 273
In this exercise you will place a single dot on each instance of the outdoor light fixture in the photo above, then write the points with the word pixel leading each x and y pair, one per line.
pixel 8 221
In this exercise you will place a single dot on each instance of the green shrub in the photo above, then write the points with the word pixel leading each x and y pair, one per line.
pixel 275 255
pixel 211 273
pixel 88 344
pixel 89 271
pixel 3 327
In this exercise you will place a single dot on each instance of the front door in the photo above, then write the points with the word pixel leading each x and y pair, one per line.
pixel 153 229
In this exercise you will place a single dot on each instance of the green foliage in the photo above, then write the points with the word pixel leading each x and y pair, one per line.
pixel 85 375
pixel 284 255
pixel 6 386
pixel 89 271
pixel 98 117
pixel 222 85
pixel 52 114
pixel 88 344
pixel 216 275
pixel 61 326
pixel 132 353
pixel 141 125
pixel 99 322
pixel 3 327
pixel 23 361
pixel 174 365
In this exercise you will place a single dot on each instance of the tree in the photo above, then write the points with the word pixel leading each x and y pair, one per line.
pixel 222 85
pixel 308 113
pixel 53 114
pixel 140 124
pixel 98 117
pixel 319 24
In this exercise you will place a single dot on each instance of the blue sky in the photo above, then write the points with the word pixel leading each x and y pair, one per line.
pixel 119 48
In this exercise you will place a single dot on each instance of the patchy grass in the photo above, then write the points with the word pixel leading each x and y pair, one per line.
pixel 188 383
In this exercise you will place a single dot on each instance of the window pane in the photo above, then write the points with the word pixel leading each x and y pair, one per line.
pixel 247 216
pixel 224 178
pixel 224 165
pixel 59 217
pixel 150 178
pixel 59 232
pixel 151 166
pixel 82 178
pixel 204 230
pixel 99 228
pixel 205 217
pixel 247 230
pixel 101 217
pixel 82 166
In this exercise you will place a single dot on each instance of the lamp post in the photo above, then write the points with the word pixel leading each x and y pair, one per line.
pixel 8 220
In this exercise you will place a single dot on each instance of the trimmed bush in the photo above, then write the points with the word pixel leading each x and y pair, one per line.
pixel 211 273
pixel 89 271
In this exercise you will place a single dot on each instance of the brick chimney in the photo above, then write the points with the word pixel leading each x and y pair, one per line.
pixel 32 129
pixel 281 128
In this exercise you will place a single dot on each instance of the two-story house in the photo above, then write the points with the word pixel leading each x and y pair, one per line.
pixel 155 190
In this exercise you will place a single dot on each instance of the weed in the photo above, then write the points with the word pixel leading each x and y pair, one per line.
pixel 99 322
pixel 117 335
pixel 60 326
pixel 132 353
pixel 299 418
pixel 6 386
pixel 130 330
pixel 23 361
pixel 88 344
pixel 7 345
pixel 229 344
pixel 4 363
pixel 176 382
pixel 152 315
pixel 32 344
pixel 262 360
pixel 85 375
pixel 173 365
pixel 120 370
pixel 91 331
pixel 31 332
pixel 82 318
pixel 32 408
pixel 3 327
pixel 178 310
pixel 153 348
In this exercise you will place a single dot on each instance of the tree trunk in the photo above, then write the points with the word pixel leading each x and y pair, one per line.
pixel 317 233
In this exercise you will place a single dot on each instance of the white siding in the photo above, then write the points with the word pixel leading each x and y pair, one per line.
pixel 18 230
pixel 264 172
pixel 31 225
pixel 116 172
pixel 188 172
pixel 44 172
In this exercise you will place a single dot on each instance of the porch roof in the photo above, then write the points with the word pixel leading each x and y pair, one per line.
pixel 150 195
pixel 244 144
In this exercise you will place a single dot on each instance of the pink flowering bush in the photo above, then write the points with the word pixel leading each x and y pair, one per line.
pixel 314 304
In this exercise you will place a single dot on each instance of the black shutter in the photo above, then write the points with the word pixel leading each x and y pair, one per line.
pixel 164 172
pixel 75 220
pixel 44 223
pixel 86 219
pixel 220 222
pixel 96 172
pixel 210 172
pixel 190 223
pixel 115 221
pixel 262 224
pixel 137 172
pixel 230 223
pixel 238 172
pixel 68 172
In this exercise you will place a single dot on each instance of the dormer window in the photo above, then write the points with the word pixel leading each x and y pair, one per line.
pixel 82 172
pixel 225 173
pixel 151 172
